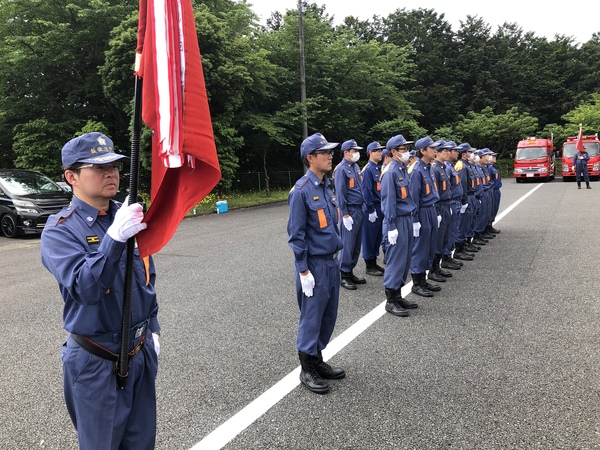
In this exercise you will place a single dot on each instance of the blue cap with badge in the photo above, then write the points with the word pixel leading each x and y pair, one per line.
pixel 374 146
pixel 91 148
pixel 425 142
pixel 397 141
pixel 315 142
pixel 350 144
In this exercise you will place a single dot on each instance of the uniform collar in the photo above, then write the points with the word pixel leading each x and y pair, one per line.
pixel 87 212
pixel 314 180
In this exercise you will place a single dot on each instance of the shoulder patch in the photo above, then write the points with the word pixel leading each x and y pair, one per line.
pixel 411 167
pixel 459 165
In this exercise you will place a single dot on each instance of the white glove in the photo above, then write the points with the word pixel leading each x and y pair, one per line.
pixel 463 208
pixel 156 343
pixel 451 211
pixel 416 229
pixel 373 217
pixel 128 222
pixel 308 283
pixel 392 237
pixel 348 222
pixel 439 221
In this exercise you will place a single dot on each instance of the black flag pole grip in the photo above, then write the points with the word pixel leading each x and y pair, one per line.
pixel 123 364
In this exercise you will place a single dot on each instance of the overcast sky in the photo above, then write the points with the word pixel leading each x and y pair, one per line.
pixel 546 19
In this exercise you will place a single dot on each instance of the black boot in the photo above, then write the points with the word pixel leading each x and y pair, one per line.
pixel 417 288
pixel 470 247
pixel 402 302
pixel 429 286
pixel 459 252
pixel 434 272
pixel 309 376
pixel 392 306
pixel 478 240
pixel 326 371
pixel 449 263
pixel 579 185
pixel 357 280
pixel 486 235
pixel 441 271
pixel 346 281
pixel 372 268
pixel 587 185
pixel 492 230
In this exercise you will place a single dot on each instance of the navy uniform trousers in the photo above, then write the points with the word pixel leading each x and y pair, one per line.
pixel 444 230
pixel 453 226
pixel 399 255
pixel 482 219
pixel 90 385
pixel 318 313
pixel 424 246
pixel 466 220
pixel 372 234
pixel 352 239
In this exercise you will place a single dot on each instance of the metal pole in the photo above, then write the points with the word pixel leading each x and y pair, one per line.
pixel 302 70
pixel 123 367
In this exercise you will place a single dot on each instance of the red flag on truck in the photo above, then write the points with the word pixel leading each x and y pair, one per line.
pixel 185 167
pixel 579 145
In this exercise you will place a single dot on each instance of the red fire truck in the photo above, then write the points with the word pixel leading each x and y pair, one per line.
pixel 534 160
pixel 591 145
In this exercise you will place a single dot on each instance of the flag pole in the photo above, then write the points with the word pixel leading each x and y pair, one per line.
pixel 123 366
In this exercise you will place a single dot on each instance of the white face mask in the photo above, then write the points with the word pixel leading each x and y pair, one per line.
pixel 355 157
pixel 472 157
pixel 404 157
pixel 477 158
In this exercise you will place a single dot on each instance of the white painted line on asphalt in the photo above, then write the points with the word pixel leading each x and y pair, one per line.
pixel 228 430
pixel 515 204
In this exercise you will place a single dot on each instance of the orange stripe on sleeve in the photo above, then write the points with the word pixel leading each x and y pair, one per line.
pixel 322 218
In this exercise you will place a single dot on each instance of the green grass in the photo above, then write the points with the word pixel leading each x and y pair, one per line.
pixel 239 200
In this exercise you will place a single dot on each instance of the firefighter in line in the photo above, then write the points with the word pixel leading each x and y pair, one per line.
pixel 348 190
pixel 464 248
pixel 372 228
pixel 497 184
pixel 425 218
pixel 444 210
pixel 448 261
pixel 387 159
pixel 484 194
pixel 397 206
pixel 314 238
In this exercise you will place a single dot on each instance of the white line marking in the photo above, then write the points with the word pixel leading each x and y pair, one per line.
pixel 229 429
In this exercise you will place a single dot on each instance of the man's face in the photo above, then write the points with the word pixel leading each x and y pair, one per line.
pixel 453 155
pixel 94 181
pixel 443 155
pixel 321 160
pixel 398 151
pixel 428 153
pixel 375 155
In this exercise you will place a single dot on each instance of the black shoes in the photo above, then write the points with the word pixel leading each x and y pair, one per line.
pixel 392 306
pixel 422 287
pixel 449 263
pixel 373 268
pixel 326 371
pixel 346 281
pixel 309 376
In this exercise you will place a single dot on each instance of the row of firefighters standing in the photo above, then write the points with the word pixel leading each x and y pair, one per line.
pixel 428 215
pixel 418 212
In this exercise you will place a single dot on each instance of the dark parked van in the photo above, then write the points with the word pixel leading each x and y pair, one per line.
pixel 27 199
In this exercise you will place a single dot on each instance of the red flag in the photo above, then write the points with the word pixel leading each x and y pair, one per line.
pixel 185 166
pixel 579 145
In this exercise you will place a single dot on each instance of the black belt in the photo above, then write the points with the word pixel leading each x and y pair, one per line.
pixel 326 257
pixel 96 349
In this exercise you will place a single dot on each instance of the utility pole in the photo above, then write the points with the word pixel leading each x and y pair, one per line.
pixel 302 71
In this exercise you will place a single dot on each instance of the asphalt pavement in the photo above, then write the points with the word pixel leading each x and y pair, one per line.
pixel 504 357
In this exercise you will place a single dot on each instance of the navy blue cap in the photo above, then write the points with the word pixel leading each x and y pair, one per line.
pixel 464 147
pixel 350 144
pixel 397 141
pixel 385 152
pixel 93 148
pixel 483 152
pixel 412 153
pixel 451 145
pixel 315 142
pixel 374 146
pixel 425 142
